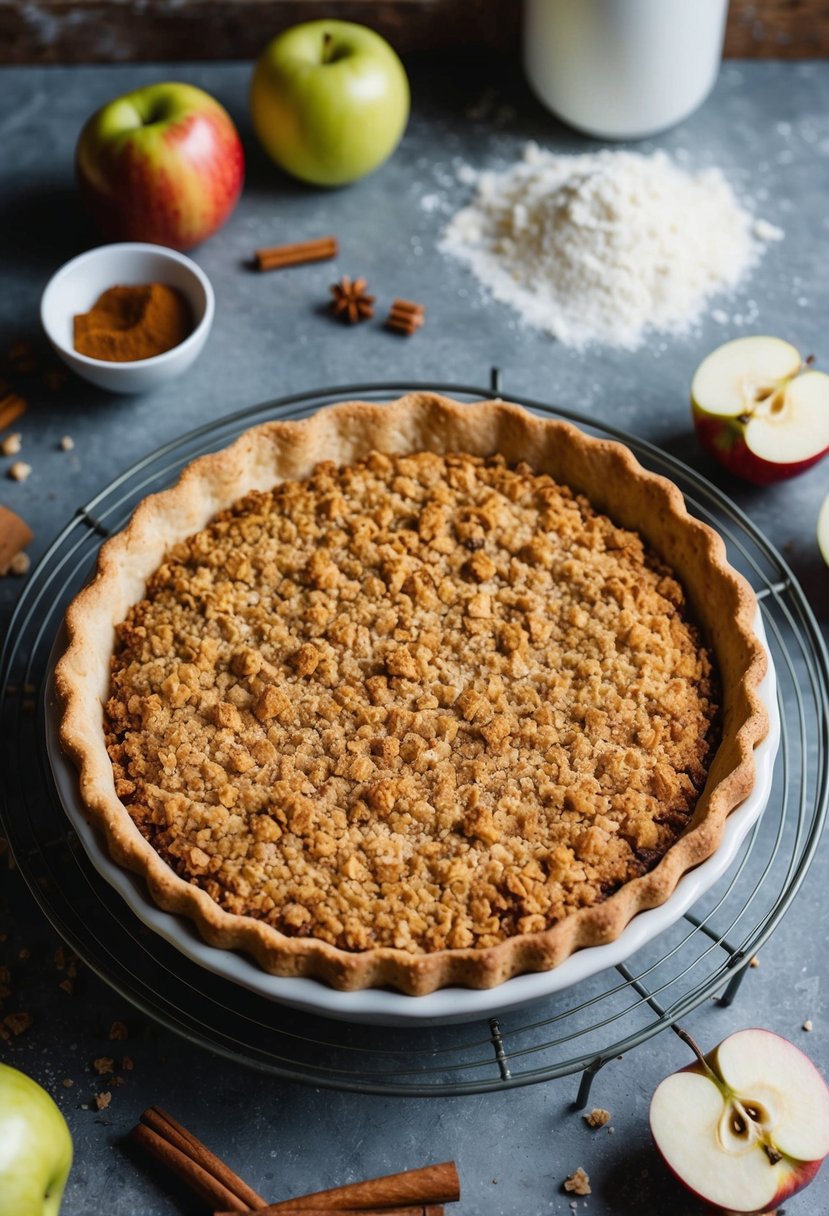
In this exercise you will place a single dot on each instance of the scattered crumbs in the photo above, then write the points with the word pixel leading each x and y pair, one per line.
pixel 755 962
pixel 68 986
pixel 20 563
pixel 127 1065
pixel 67 1082
pixel 103 1065
pixel 598 1117
pixel 19 471
pixel 807 1025
pixel 12 444
pixel 118 1031
pixel 67 443
pixel 578 1183
pixel 15 1024
pixel 103 1100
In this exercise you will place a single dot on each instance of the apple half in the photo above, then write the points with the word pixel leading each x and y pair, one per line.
pixel 760 410
pixel 823 530
pixel 747 1125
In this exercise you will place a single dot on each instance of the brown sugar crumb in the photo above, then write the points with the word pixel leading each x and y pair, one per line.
pixel 68 986
pixel 755 962
pixel 422 702
pixel 578 1183
pixel 127 1064
pixel 103 1065
pixel 17 1023
pixel 118 1032
pixel 19 471
pixel 67 443
pixel 67 1082
pixel 597 1117
pixel 103 1100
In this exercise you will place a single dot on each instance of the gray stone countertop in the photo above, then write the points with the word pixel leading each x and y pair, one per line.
pixel 767 127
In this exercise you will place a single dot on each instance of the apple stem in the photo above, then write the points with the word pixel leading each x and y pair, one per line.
pixel 693 1044
pixel 326 47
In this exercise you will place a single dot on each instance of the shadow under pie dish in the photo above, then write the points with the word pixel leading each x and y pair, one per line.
pixel 384 698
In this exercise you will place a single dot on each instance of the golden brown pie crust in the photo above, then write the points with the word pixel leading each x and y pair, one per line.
pixel 480 898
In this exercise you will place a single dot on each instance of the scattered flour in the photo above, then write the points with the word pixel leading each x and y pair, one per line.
pixel 605 246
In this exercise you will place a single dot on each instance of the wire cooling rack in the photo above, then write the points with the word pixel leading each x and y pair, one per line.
pixel 575 1031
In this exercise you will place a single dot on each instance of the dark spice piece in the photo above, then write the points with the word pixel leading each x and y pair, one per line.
pixel 351 302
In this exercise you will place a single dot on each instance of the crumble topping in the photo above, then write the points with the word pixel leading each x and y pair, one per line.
pixel 422 701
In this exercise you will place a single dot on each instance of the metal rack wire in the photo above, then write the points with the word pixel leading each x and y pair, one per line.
pixel 576 1031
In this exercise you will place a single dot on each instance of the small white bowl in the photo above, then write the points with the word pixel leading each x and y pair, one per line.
pixel 77 285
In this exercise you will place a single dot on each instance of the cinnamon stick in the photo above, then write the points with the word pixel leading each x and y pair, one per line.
pixel 423 1188
pixel 192 1162
pixel 405 316
pixel 12 405
pixel 15 535
pixel 429 1209
pixel 296 254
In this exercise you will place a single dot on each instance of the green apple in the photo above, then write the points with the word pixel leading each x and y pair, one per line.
pixel 329 101
pixel 35 1148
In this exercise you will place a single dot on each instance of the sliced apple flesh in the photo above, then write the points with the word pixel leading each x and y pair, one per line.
pixel 759 410
pixel 747 1128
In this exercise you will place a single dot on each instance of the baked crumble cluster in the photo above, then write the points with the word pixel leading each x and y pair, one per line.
pixel 422 701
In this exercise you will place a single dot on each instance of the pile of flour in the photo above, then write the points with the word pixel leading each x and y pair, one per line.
pixel 605 246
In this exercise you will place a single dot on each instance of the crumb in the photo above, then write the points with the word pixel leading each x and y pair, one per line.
pixel 60 958
pixel 611 1130
pixel 103 1064
pixel 115 1081
pixel 54 378
pixel 118 1031
pixel 25 954
pixel 19 471
pixel 67 443
pixel 597 1117
pixel 578 1183
pixel 21 357
pixel 127 1066
pixel 67 986
pixel 12 444
pixel 17 1023
pixel 807 1025
pixel 67 1082
pixel 755 962
pixel 103 1100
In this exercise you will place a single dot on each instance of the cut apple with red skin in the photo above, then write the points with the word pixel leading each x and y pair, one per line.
pixel 747 1126
pixel 823 530
pixel 760 410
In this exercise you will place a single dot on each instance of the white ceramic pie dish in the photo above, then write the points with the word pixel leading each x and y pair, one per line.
pixel 389 1008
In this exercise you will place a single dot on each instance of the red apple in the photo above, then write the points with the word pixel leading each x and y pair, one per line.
pixel 760 410
pixel 747 1125
pixel 163 164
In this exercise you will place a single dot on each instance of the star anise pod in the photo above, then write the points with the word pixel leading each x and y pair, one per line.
pixel 351 303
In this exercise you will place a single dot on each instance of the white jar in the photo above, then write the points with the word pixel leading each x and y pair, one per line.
pixel 623 69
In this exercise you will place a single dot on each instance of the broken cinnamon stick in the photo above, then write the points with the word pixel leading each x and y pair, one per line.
pixel 405 316
pixel 192 1162
pixel 296 254
pixel 15 535
pixel 423 1188
pixel 12 405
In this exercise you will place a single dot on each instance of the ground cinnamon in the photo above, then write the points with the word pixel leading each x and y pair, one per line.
pixel 128 323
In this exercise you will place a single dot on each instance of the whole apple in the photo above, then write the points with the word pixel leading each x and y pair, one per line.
pixel 760 410
pixel 35 1148
pixel 329 101
pixel 163 164
pixel 747 1125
